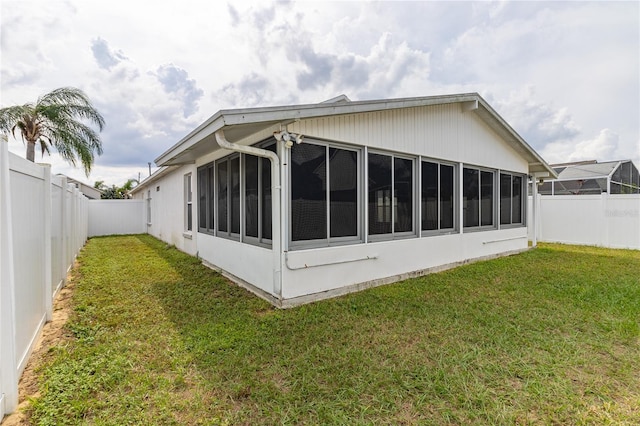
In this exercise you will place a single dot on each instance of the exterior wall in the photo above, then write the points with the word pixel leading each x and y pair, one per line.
pixel 443 132
pixel 250 263
pixel 439 132
pixel 111 217
pixel 167 208
pixel 601 220
pixel 335 267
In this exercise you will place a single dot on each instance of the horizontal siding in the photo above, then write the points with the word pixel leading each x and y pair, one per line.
pixel 440 131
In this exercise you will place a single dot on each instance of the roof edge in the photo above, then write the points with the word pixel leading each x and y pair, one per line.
pixel 337 106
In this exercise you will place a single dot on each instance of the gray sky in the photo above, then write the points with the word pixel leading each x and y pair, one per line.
pixel 565 75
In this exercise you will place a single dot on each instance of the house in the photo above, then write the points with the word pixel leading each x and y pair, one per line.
pixel 89 191
pixel 592 177
pixel 303 202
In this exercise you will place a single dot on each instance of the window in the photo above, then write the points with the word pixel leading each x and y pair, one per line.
pixel 188 224
pixel 228 188
pixel 390 190
pixel 324 193
pixel 438 196
pixel 149 207
pixel 251 195
pixel 257 197
pixel 477 197
pixel 206 198
pixel 234 190
pixel 511 199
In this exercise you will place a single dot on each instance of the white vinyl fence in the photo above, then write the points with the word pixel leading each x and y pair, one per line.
pixel 598 220
pixel 110 217
pixel 43 225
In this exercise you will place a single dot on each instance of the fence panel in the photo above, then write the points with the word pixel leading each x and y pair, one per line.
pixel 27 207
pixel 43 225
pixel 622 215
pixel 58 273
pixel 600 220
pixel 109 217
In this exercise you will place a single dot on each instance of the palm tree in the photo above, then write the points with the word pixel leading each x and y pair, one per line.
pixel 54 120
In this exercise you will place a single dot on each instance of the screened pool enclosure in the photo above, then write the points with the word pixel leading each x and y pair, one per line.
pixel 591 177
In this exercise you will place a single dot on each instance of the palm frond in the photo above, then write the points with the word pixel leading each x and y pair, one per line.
pixel 70 102
pixel 10 116
pixel 57 120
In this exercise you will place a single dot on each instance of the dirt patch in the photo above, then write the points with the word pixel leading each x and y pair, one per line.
pixel 52 333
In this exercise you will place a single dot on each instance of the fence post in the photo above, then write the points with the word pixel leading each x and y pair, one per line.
pixel 64 232
pixel 8 368
pixel 604 232
pixel 536 212
pixel 48 218
pixel 74 223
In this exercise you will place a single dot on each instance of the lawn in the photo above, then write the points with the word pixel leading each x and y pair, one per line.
pixel 548 336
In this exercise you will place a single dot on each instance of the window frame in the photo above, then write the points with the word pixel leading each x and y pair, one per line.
pixel 329 241
pixel 260 240
pixel 188 204
pixel 456 198
pixel 207 184
pixel 229 234
pixel 494 200
pixel 148 207
pixel 523 199
pixel 415 198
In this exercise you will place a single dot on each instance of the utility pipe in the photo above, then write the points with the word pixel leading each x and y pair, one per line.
pixel 276 188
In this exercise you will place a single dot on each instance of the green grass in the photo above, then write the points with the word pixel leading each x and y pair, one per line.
pixel 548 336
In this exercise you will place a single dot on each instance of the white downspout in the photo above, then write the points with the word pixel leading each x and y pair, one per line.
pixel 276 188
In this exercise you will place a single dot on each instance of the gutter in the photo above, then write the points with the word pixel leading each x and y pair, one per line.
pixel 276 188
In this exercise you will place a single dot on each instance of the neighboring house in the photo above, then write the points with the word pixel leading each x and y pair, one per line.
pixel 89 191
pixel 304 202
pixel 591 177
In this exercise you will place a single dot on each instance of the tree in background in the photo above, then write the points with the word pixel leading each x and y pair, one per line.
pixel 56 120
pixel 116 192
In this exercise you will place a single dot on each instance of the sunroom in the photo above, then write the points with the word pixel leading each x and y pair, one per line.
pixel 299 203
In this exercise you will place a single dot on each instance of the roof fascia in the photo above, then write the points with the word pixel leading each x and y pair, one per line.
pixel 165 170
pixel 238 117
pixel 295 112
pixel 209 127
pixel 234 117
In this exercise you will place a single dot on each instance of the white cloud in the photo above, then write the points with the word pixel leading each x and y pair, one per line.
pixel 538 122
pixel 559 72
pixel 603 147
pixel 106 57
